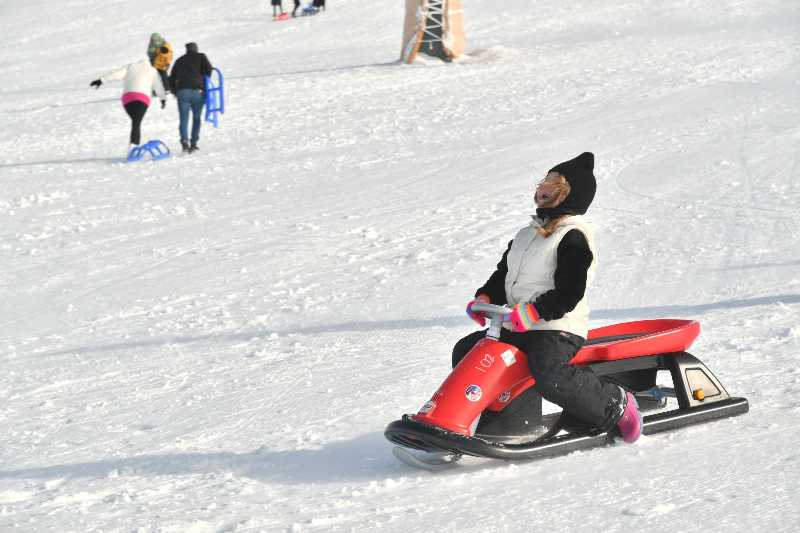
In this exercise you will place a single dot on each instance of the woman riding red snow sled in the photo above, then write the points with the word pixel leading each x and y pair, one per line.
pixel 543 277
pixel 539 346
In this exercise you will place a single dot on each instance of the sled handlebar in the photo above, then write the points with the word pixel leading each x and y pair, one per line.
pixel 496 315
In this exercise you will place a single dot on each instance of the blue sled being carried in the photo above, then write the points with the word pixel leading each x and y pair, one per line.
pixel 215 96
pixel 156 148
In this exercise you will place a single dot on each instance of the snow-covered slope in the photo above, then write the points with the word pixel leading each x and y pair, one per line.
pixel 216 342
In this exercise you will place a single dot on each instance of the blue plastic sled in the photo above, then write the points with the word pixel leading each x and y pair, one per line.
pixel 310 10
pixel 215 97
pixel 156 149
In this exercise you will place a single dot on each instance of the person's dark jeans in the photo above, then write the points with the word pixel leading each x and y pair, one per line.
pixel 190 100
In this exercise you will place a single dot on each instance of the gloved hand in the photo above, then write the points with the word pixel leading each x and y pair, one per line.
pixel 163 104
pixel 96 83
pixel 480 318
pixel 523 317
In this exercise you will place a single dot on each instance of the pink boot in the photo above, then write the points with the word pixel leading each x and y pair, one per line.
pixel 630 423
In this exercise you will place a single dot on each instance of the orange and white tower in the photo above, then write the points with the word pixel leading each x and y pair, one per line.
pixel 434 28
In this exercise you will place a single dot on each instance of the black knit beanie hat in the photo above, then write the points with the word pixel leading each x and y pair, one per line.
pixel 578 173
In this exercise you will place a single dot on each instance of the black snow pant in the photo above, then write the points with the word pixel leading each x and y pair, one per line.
pixel 594 403
pixel 296 6
pixel 136 111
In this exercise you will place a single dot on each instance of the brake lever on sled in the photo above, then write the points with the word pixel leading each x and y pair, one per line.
pixel 496 314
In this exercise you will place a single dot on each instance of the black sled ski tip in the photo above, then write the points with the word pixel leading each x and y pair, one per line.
pixel 434 463
pixel 409 433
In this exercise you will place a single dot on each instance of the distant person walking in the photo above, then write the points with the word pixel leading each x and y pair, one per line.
pixel 187 81
pixel 160 53
pixel 139 80
pixel 276 5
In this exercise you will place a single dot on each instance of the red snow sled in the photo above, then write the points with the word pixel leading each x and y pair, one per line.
pixel 494 373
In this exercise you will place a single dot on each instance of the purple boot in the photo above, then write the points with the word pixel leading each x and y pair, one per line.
pixel 630 423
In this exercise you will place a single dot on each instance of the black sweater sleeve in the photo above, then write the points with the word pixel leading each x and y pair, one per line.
pixel 495 286
pixel 572 266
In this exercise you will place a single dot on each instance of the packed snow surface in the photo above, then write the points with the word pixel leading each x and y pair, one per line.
pixel 215 342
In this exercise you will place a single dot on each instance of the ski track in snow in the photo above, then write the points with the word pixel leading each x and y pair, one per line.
pixel 215 342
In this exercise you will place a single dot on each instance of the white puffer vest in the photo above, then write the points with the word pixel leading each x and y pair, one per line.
pixel 531 271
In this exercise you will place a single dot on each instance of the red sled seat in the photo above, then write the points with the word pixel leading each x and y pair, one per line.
pixel 635 339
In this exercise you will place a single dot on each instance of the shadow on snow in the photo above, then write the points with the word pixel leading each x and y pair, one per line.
pixel 616 315
pixel 363 458
pixel 64 162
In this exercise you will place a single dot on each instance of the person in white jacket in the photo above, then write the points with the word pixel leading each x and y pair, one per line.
pixel 139 81
pixel 543 277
